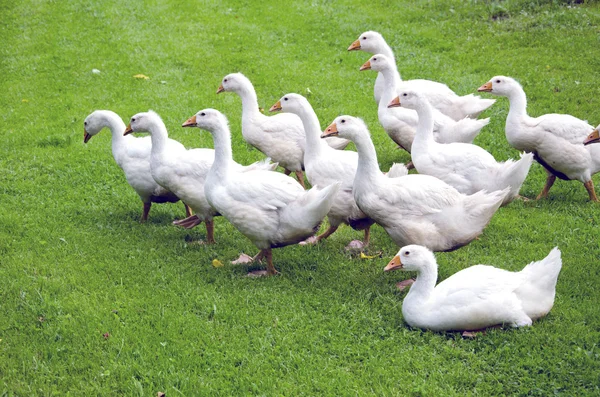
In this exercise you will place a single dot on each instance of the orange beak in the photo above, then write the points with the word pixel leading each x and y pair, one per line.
pixel 220 89
pixel 594 137
pixel 128 130
pixel 487 87
pixel 191 122
pixel 394 103
pixel 354 46
pixel 86 136
pixel 393 265
pixel 366 66
pixel 330 131
pixel 275 107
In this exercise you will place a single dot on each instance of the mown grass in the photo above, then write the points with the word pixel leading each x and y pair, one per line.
pixel 92 302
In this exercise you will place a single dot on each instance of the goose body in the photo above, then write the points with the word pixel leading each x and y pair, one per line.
pixel 466 167
pixel 439 95
pixel 271 209
pixel 414 209
pixel 400 123
pixel 280 137
pixel 132 155
pixel 476 297
pixel 555 139
pixel 180 170
pixel 325 166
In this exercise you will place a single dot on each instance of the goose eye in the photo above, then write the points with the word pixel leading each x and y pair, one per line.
pixel 132 119
pixel 407 253
pixel 225 81
pixel 343 121
pixel 374 59
pixel 202 114
pixel 85 123
pixel 364 37
pixel 285 99
pixel 405 94
pixel 497 81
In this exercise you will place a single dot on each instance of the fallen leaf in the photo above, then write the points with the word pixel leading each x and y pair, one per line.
pixel 364 256
pixel 95 71
pixel 141 76
pixel 217 263
pixel 106 335
pixel 25 100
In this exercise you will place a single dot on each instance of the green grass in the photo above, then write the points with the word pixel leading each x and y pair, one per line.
pixel 75 263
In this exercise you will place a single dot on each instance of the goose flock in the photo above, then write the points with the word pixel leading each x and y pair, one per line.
pixel 457 188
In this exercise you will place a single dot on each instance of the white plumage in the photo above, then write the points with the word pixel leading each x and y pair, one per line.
pixel 477 297
pixel 280 137
pixel 555 139
pixel 439 95
pixel 269 208
pixel 133 156
pixel 467 167
pixel 418 209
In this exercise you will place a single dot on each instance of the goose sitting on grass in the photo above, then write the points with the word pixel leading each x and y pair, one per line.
pixel 269 208
pixel 280 137
pixel 414 209
pixel 180 170
pixel 400 123
pixel 467 167
pixel 133 156
pixel 556 140
pixel 439 95
pixel 477 297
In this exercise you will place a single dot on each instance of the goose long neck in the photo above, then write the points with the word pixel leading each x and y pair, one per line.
pixel 424 133
pixel 391 81
pixel 312 129
pixel 115 125
pixel 223 154
pixel 249 100
pixel 385 49
pixel 424 285
pixel 518 102
pixel 368 168
pixel 159 136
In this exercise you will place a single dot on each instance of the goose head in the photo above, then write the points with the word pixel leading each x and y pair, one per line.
pixel 409 99
pixel 234 82
pixel 412 258
pixel 93 124
pixel 369 42
pixel 290 103
pixel 346 127
pixel 378 63
pixel 210 120
pixel 500 85
pixel 142 122
pixel 594 137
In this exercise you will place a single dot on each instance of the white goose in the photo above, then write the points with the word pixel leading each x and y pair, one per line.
pixel 280 137
pixel 269 208
pixel 418 209
pixel 556 140
pixel 325 166
pixel 440 96
pixel 133 156
pixel 180 170
pixel 400 123
pixel 467 167
pixel 476 297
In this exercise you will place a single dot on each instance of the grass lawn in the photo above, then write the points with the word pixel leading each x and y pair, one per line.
pixel 94 303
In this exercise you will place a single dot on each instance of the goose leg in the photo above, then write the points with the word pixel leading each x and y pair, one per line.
pixel 210 231
pixel 367 236
pixel 145 212
pixel 270 267
pixel 300 176
pixel 286 171
pixel 188 210
pixel 188 222
pixel 549 182
pixel 589 185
